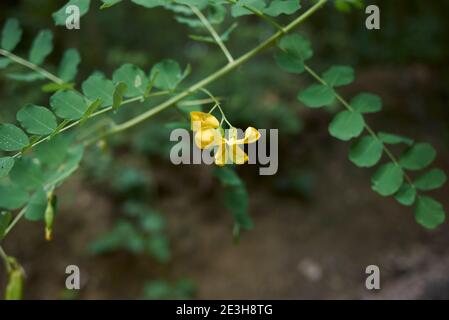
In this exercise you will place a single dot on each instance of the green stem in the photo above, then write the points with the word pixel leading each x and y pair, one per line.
pixel 5 258
pixel 32 66
pixel 367 127
pixel 212 31
pixel 216 75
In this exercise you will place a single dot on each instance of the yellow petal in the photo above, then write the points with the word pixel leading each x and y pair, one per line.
pixel 207 138
pixel 221 154
pixel 202 120
pixel 251 135
pixel 238 156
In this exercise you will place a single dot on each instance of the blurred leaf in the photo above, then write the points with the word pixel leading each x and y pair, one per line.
pixel 4 62
pixel 429 213
pixel 11 34
pixel 69 65
pixel 52 153
pixel 68 105
pixel 366 152
pixel 158 247
pixel 278 7
pixel 26 77
pixel 36 119
pixel 27 174
pixel 42 46
pixel 35 210
pixel 68 167
pixel 60 16
pixel 12 138
pixel 431 180
pixel 97 86
pixel 6 164
pixel 388 179
pixel 227 177
pixel 347 125
pixel 418 157
pixel 236 201
pixel 366 103
pixel 12 197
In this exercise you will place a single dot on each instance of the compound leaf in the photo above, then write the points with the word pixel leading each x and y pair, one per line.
pixel 11 34
pixel 133 77
pixel 68 105
pixel 97 86
pixel 6 164
pixel 347 125
pixel 431 180
pixel 69 65
pixel 366 152
pixel 36 119
pixel 418 157
pixel 366 103
pixel 339 76
pixel 42 46
pixel 388 179
pixel 12 138
pixel 317 96
pixel 429 213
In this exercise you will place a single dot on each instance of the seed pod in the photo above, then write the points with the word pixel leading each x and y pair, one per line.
pixel 14 289
pixel 49 216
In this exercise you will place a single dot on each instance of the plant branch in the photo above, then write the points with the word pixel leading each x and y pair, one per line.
pixel 260 14
pixel 32 66
pixel 212 31
pixel 216 75
pixel 367 127
pixel 5 258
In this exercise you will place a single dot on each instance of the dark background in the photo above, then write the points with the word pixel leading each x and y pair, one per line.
pixel 318 224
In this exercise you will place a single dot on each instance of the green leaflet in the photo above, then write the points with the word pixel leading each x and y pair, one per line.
pixel 69 65
pixel 366 103
pixel 35 209
pixel 119 91
pixel 6 164
pixel 52 153
pixel 5 220
pixel 278 7
pixel 431 180
pixel 167 75
pixel 235 197
pixel 238 9
pixel 68 167
pixel 389 138
pixel 133 77
pixel 27 174
pixel 388 179
pixel 236 201
pixel 366 152
pixel 42 46
pixel 60 16
pixel 97 86
pixel 338 76
pixel 406 194
pixel 317 96
pixel 12 138
pixel 36 119
pixel 295 50
pixel 347 125
pixel 227 177
pixel 12 197
pixel 11 34
pixel 429 213
pixel 418 157
pixel 68 105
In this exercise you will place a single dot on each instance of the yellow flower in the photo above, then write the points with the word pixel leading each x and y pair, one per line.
pixel 208 134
